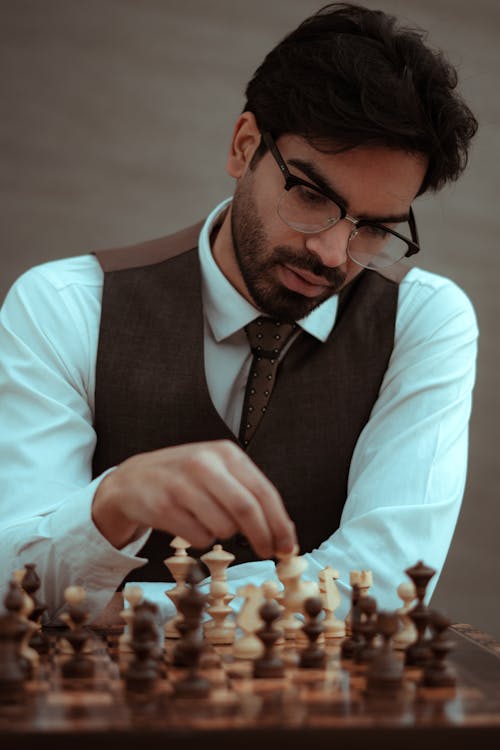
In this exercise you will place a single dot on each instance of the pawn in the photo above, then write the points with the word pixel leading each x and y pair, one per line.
pixel 407 633
pixel 13 629
pixel 189 648
pixel 142 671
pixel 438 673
pixel 270 664
pixel 385 674
pixel 367 627
pixel 352 642
pixel 30 582
pixel 78 665
pixel 313 656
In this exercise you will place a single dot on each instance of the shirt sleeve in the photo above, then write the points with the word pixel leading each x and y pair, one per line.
pixel 48 341
pixel 408 470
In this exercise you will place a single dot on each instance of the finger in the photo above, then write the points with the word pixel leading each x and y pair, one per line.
pixel 211 514
pixel 239 504
pixel 181 522
pixel 281 527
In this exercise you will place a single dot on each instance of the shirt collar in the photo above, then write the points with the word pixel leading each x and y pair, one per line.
pixel 227 311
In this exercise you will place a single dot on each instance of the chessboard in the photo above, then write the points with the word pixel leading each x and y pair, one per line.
pixel 305 708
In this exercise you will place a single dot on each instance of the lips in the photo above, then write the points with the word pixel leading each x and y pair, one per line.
pixel 303 282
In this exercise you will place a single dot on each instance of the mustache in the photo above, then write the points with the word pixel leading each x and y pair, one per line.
pixel 308 262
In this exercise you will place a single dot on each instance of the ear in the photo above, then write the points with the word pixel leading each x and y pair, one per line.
pixel 245 141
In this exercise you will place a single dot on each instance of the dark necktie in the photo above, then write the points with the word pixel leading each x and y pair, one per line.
pixel 267 338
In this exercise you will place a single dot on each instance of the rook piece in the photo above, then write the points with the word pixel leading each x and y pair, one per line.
pixel 313 656
pixel 363 579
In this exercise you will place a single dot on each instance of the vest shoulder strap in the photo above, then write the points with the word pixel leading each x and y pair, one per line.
pixel 151 252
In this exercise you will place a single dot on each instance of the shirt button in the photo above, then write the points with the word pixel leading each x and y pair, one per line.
pixel 241 540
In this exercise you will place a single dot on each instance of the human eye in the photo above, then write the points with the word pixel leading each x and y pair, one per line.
pixel 311 197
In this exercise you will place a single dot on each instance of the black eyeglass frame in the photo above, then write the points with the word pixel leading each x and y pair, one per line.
pixel 292 180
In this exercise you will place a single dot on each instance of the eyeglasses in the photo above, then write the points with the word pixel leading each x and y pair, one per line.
pixel 310 209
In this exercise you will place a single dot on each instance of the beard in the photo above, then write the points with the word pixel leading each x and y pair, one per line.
pixel 258 264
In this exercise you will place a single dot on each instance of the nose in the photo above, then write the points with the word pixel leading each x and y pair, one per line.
pixel 330 245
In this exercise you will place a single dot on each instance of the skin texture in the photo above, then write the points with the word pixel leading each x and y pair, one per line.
pixel 209 490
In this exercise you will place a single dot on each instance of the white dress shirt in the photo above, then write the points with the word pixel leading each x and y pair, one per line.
pixel 407 475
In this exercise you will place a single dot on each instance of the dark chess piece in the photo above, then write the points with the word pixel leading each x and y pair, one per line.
pixel 384 677
pixel 13 629
pixel 78 665
pixel 313 656
pixel 188 650
pixel 438 673
pixel 31 583
pixel 270 664
pixel 142 672
pixel 367 627
pixel 419 654
pixel 352 642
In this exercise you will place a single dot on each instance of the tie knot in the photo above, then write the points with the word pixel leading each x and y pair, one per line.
pixel 268 336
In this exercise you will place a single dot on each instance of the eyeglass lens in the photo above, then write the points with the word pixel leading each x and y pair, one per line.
pixel 309 211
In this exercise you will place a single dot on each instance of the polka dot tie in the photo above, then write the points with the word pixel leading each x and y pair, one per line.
pixel 267 338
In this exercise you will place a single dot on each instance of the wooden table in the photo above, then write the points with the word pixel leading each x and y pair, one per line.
pixel 299 712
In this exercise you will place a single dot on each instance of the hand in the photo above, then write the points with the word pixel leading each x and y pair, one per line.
pixel 199 491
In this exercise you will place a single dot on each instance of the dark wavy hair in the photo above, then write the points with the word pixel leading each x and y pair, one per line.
pixel 349 76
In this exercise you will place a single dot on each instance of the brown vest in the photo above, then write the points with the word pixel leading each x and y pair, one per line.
pixel 151 390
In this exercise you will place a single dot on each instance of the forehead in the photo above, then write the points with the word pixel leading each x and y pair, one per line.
pixel 369 179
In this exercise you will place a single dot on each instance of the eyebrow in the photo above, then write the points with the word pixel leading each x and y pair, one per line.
pixel 320 181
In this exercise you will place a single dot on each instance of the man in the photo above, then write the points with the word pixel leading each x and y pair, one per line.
pixel 125 404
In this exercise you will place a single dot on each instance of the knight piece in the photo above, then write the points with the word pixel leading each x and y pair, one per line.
pixel 289 571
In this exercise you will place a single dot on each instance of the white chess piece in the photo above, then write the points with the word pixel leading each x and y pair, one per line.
pixel 333 626
pixel 220 629
pixel 289 571
pixel 133 595
pixel 178 564
pixel 248 645
pixel 407 634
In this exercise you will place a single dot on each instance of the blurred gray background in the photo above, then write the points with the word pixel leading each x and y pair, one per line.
pixel 116 117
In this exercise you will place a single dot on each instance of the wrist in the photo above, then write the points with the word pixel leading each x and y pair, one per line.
pixel 109 518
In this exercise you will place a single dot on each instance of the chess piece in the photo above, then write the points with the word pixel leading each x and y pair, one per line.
pixel 142 671
pixel 178 564
pixel 407 633
pixel 28 655
pixel 78 665
pixel 367 628
pixel 12 630
pixel 270 663
pixel 133 595
pixel 438 673
pixel 419 654
pixel 385 673
pixel 248 645
pixel 313 656
pixel 296 590
pixel 352 642
pixel 188 650
pixel 363 580
pixel 30 582
pixel 333 626
pixel 219 630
